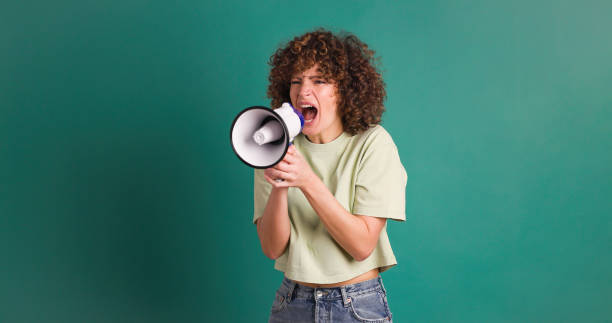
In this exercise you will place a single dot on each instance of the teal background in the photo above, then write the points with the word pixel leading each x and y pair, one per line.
pixel 122 201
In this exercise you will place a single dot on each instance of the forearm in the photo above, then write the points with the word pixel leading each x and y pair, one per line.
pixel 350 231
pixel 273 228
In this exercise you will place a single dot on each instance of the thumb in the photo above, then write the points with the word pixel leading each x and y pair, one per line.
pixel 291 150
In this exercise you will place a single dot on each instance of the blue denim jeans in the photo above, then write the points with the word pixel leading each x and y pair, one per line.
pixel 361 302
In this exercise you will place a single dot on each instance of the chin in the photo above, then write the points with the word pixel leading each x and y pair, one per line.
pixel 309 132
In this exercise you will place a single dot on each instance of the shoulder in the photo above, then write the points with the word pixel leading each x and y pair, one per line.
pixel 374 137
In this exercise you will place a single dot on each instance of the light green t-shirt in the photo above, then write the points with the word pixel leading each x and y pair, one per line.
pixel 366 176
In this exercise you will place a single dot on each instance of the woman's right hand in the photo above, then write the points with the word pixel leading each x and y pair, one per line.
pixel 292 171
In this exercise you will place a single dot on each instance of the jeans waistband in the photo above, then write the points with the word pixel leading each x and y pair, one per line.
pixel 292 290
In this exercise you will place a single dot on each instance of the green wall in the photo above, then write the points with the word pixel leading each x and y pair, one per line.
pixel 122 201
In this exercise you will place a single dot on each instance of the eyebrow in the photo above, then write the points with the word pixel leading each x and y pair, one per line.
pixel 319 76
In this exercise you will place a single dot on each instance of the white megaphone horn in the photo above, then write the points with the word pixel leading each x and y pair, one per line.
pixel 261 136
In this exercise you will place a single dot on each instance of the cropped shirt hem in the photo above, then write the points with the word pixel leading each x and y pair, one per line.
pixel 331 279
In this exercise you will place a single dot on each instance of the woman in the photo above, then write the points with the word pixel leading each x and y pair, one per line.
pixel 322 211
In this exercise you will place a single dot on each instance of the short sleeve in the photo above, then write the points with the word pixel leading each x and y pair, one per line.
pixel 380 184
pixel 261 192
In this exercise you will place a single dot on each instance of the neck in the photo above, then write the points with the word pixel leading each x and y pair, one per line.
pixel 324 138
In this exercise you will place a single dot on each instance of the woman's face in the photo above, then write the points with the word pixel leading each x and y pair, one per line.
pixel 315 98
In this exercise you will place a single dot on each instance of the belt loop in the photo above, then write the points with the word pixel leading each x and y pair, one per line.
pixel 382 285
pixel 345 299
pixel 291 289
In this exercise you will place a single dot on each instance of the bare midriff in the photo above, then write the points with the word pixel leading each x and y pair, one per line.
pixel 361 278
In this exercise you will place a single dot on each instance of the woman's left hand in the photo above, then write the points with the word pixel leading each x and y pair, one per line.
pixel 292 171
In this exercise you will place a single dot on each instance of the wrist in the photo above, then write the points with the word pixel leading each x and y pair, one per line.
pixel 280 190
pixel 309 182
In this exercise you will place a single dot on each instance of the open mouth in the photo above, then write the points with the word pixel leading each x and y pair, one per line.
pixel 309 112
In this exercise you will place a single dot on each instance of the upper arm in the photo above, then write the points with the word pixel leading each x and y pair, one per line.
pixel 380 179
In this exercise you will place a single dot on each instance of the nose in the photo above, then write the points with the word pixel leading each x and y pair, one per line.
pixel 305 89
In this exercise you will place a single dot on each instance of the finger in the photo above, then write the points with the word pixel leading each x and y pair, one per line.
pixel 272 175
pixel 291 159
pixel 281 164
pixel 269 180
pixel 277 174
pixel 268 172
pixel 294 151
pixel 275 182
pixel 284 167
pixel 284 160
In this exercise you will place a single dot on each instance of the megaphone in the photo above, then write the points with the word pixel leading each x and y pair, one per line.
pixel 260 136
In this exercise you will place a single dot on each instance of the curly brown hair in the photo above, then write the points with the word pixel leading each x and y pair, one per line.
pixel 343 59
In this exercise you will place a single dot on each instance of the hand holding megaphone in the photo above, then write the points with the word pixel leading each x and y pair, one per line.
pixel 260 136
